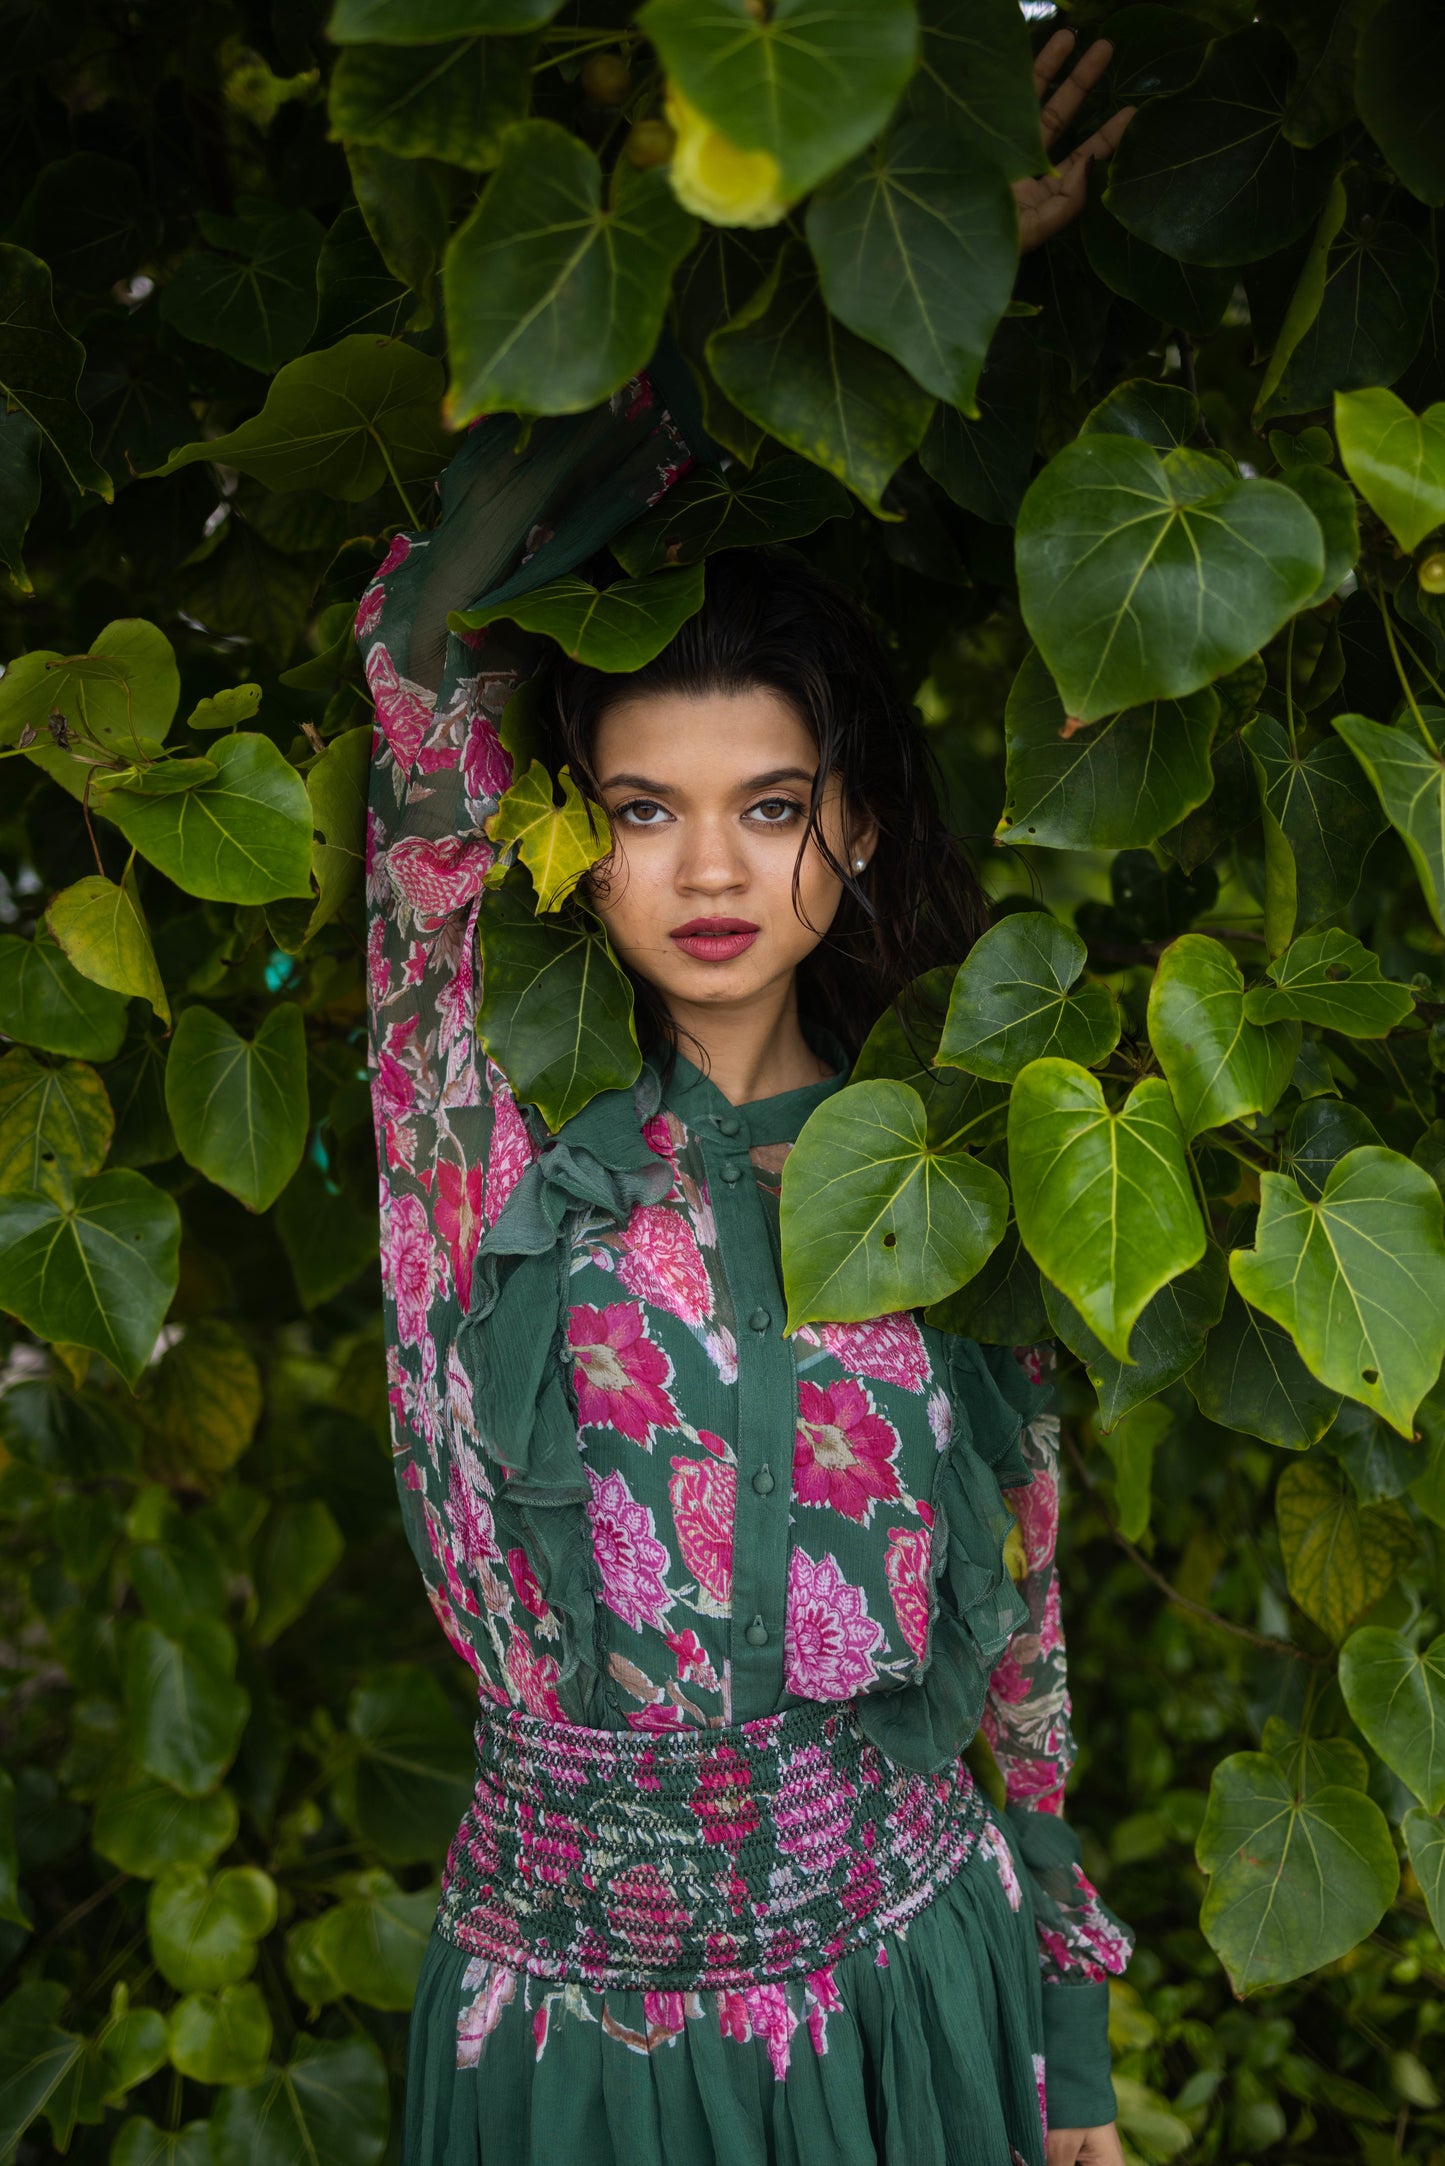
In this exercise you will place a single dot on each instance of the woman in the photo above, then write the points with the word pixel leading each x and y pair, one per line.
pixel 736 1603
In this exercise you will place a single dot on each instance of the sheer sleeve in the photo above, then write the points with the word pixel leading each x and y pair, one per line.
pixel 1027 1721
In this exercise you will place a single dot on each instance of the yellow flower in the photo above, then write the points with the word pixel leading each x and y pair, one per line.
pixel 714 179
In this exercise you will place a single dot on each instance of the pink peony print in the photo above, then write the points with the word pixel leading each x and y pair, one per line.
pixel 457 1211
pixel 1051 1623
pixel 704 1499
pixel 479 2017
pixel 630 1559
pixel 621 1377
pixel 524 1582
pixel 906 1568
pixel 722 1800
pixel 824 2000
pixel 664 2014
pixel 891 1349
pixel 693 1665
pixel 773 2021
pixel 409 1265
pixel 469 1516
pixel 661 1263
pixel 486 765
pixel 995 1842
pixel 398 553
pixel 368 610
pixel 828 1636
pixel 811 1811
pixel 509 1152
pixel 1041 2088
pixel 646 1916
pixel 1037 1510
pixel 437 877
pixel 844 1452
pixel 403 709
pixel 533 1679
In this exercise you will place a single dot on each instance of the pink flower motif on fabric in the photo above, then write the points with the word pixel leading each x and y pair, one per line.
pixel 486 764
pixel 692 1660
pixel 995 1842
pixel 457 1211
pixel 469 1516
pixel 906 1568
pixel 722 1799
pixel 704 1501
pixel 403 709
pixel 661 1263
pixel 524 1582
pixel 398 553
pixel 630 1559
pixel 824 2000
pixel 437 877
pixel 620 1376
pixel 1037 1509
pixel 1051 1623
pixel 1042 2088
pixel 772 2019
pixel 409 1265
pixel 509 1153
pixel 890 1349
pixel 533 1679
pixel 480 2016
pixel 1106 1942
pixel 829 1639
pixel 811 1812
pixel 844 1452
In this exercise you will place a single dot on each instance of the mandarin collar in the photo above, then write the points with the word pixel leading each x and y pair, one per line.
pixel 699 1104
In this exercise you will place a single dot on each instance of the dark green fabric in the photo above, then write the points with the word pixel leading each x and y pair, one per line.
pixel 1076 2055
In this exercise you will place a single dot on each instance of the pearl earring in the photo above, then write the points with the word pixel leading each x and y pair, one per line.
pixel 860 864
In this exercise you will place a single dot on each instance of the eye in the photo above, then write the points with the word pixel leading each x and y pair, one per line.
pixel 641 812
pixel 775 811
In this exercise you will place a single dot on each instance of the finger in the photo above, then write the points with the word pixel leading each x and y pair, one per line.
pixel 1051 57
pixel 1071 93
pixel 1105 141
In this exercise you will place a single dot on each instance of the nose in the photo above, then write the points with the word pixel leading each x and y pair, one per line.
pixel 712 861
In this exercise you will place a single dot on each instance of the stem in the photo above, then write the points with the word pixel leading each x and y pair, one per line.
pixel 1409 689
pixel 1187 1602
pixel 1289 688
pixel 411 513
pixel 1428 674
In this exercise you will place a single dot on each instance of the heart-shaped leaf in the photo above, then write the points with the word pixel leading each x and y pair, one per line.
pixel 873 1219
pixel 343 422
pixel 1339 1555
pixel 117 698
pixel 144 1825
pixel 1424 1835
pixel 1114 786
pixel 1319 822
pixel 1359 310
pixel 615 628
pixel 1014 1001
pixel 555 1011
pixel 185 1709
pixel 1168 1339
pixel 1332 500
pixel 1164 415
pixel 45 1002
pixel 55 1124
pixel 1410 784
pixel 902 1047
pixel 1104 1201
pixel 916 245
pixel 202 1402
pixel 413 1773
pixel 336 787
pixel 1396 1695
pixel 253 291
pixel 553 297
pixel 204 1931
pixel 1131 1444
pixel 244 838
pixel 1301 1863
pixel 224 2038
pixel 1401 47
pixel 1395 459
pixel 1357 1278
pixel 1219 1064
pixel 806 84
pixel 328 2107
pixel 300 1548
pixel 1321 1132
pixel 37 2057
pixel 784 362
pixel 975 74
pixel 1186 294
pixel 1144 577
pixel 711 509
pixel 367 1947
pixel 556 843
pixel 1332 980
pixel 40 365
pixel 96 1271
pixel 1250 1378
pixel 101 927
pixel 447 101
pixel 140 2142
pixel 984 464
pixel 239 1106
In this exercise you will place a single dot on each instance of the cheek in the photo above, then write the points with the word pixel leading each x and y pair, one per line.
pixel 819 893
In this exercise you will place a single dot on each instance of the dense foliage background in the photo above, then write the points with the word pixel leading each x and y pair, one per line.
pixel 253 276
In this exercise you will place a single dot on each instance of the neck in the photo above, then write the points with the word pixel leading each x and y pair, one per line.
pixel 756 1050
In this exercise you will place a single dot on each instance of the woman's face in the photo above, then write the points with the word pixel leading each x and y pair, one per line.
pixel 708 800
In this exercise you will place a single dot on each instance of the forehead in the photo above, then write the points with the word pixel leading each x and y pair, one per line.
pixel 716 737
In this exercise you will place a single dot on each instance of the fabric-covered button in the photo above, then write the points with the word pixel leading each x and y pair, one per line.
pixel 763 1481
pixel 727 1124
pixel 757 1633
pixel 759 1320
pixel 732 1173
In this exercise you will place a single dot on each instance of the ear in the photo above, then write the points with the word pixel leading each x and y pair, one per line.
pixel 862 840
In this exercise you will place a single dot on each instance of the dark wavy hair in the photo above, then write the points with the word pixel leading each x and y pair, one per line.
pixel 772 621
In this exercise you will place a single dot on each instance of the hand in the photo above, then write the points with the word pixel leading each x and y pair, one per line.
pixel 1046 206
pixel 1085 2147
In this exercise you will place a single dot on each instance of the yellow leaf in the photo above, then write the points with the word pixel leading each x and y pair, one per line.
pixel 556 843
pixel 102 929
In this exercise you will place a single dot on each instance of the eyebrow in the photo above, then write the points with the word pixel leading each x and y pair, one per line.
pixel 665 789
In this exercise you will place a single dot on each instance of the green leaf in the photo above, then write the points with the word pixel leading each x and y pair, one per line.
pixel 133 2047
pixel 244 838
pixel 98 1271
pixel 1219 1064
pixel 710 509
pixel 1144 578
pixel 122 694
pixel 1003 1304
pixel 139 2142
pixel 873 1219
pixel 1208 174
pixel 975 74
pixel 1330 979
pixel 1184 294
pixel 1168 1339
pixel 336 787
pixel 12 1910
pixel 1321 1132
pixel 902 1047
pixel 40 365
pixel 1302 1866
pixel 367 1947
pixel 1164 415
pixel 1357 1278
pixel 1131 1444
pixel 19 491
pixel 1396 1696
pixel 807 85
pixel 1401 60
pixel 227 709
pixel 355 291
pixel 1319 823
pixel 1116 785
pixel 1104 1201
pixel 984 464
pixel 1425 1842
pixel 202 1402
pixel 1410 784
pixel 1251 1378
pixel 558 844
pixel 185 1709
pixel 329 2107
pixel 1395 459
pixel 430 22
pixel 300 1547
pixel 555 1011
pixel 253 291
pixel 342 422
pixel 1013 1001
pixel 222 2037
pixel 100 926
pixel 145 1825
pixel 553 296
pixel 1339 1555
pixel 1332 501
pixel 916 245
pixel 327 1231
pixel 805 379
pixel 447 101
pixel 239 1106
pixel 614 628
pixel 55 1124
pixel 36 2057
pixel 203 1932
pixel 412 1776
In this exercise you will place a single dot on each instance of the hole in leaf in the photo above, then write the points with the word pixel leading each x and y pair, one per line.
pixel 1370 1376
pixel 890 1240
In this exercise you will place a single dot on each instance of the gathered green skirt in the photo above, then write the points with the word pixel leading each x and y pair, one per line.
pixel 924 2049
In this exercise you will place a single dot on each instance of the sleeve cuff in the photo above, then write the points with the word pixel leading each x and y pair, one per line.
pixel 1077 2078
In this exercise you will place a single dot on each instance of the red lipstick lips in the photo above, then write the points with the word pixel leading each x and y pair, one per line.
pixel 715 940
